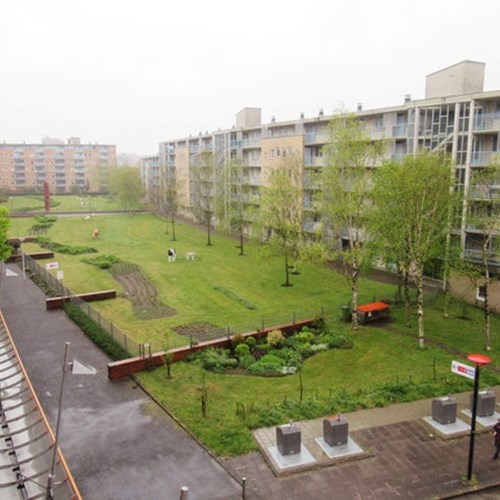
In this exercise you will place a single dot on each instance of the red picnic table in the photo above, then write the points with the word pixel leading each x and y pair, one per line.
pixel 373 311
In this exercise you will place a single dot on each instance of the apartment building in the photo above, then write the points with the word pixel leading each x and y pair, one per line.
pixel 150 174
pixel 456 116
pixel 66 167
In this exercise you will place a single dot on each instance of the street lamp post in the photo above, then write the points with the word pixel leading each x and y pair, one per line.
pixel 479 360
pixel 23 262
pixel 51 478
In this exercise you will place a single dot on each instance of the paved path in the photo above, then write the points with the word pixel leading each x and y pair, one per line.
pixel 406 459
pixel 118 443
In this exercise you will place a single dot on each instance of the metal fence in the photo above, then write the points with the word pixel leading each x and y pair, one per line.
pixel 56 286
pixel 260 322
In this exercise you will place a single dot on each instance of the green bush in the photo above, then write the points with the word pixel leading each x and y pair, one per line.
pixel 267 364
pixel 95 333
pixel 242 350
pixel 290 356
pixel 45 242
pixel 275 338
pixel 250 342
pixel 236 340
pixel 216 360
pixel 102 261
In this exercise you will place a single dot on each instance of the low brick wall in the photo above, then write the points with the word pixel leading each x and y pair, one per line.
pixel 58 302
pixel 35 255
pixel 125 367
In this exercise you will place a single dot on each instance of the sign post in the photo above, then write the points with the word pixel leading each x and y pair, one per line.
pixel 479 360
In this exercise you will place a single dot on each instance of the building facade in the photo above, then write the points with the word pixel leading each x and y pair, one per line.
pixel 456 116
pixel 69 167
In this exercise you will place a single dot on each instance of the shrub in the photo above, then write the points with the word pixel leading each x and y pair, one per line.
pixel 268 363
pixel 250 342
pixel 334 340
pixel 95 333
pixel 102 261
pixel 275 338
pixel 45 242
pixel 242 350
pixel 305 336
pixel 245 361
pixel 217 360
pixel 236 340
pixel 290 356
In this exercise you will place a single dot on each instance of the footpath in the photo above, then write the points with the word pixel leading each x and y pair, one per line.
pixel 119 444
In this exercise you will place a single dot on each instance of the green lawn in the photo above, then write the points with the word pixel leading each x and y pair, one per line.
pixel 385 364
pixel 200 291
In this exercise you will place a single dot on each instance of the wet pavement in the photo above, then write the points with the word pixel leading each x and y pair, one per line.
pixel 119 444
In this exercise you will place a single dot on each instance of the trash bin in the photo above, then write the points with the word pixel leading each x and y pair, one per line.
pixel 335 430
pixel 444 410
pixel 346 313
pixel 485 403
pixel 288 438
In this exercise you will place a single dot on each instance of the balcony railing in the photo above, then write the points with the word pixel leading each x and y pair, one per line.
pixel 250 143
pixel 316 138
pixel 399 130
pixel 477 256
pixel 482 158
pixel 487 121
pixel 314 161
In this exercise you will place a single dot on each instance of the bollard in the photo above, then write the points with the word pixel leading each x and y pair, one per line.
pixel 184 493
pixel 243 487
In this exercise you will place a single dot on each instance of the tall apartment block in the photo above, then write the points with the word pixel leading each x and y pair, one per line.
pixel 455 116
pixel 67 167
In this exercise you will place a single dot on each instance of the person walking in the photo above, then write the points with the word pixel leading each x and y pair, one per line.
pixel 496 430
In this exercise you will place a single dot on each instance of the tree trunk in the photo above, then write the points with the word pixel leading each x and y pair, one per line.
pixel 354 288
pixel 399 289
pixel 173 228
pixel 209 241
pixel 287 271
pixel 487 332
pixel 420 307
pixel 241 241
pixel 406 285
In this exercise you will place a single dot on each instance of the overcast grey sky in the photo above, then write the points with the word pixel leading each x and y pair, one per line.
pixel 134 73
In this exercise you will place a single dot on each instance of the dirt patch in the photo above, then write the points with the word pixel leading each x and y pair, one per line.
pixel 200 331
pixel 144 296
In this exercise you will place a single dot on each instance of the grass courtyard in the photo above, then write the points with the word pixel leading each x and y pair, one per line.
pixel 224 289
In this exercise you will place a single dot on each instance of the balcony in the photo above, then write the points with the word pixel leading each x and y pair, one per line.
pixel 250 143
pixel 316 138
pixel 482 158
pixel 399 131
pixel 314 161
pixel 476 256
pixel 482 193
pixel 487 122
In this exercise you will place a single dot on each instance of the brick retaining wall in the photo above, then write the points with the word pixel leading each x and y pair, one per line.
pixel 125 367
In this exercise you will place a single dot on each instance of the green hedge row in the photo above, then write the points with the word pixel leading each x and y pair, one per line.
pixel 95 333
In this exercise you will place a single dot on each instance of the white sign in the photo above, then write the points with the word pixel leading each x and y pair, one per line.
pixel 52 265
pixel 60 275
pixel 463 369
